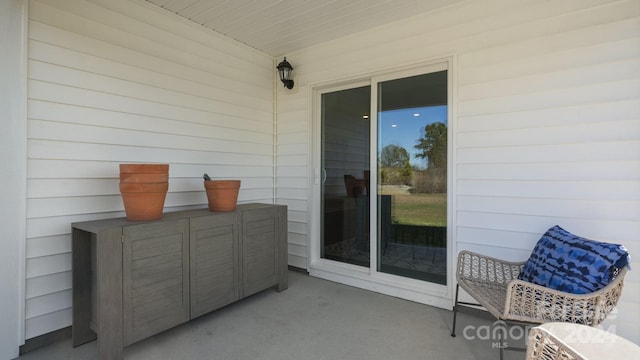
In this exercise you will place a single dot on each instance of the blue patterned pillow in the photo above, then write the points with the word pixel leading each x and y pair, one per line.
pixel 570 263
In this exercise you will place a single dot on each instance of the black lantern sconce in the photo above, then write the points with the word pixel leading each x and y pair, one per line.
pixel 284 70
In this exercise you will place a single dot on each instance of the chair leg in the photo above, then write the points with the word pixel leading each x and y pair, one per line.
pixel 455 313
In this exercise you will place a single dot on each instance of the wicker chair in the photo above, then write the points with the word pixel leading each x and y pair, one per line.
pixel 494 284
pixel 565 341
pixel 543 345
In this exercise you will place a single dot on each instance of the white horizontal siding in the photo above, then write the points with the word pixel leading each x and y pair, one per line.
pixel 46 304
pixel 45 265
pixel 112 82
pixel 292 174
pixel 547 125
pixel 614 170
pixel 569 190
pixel 48 284
pixel 48 245
pixel 48 322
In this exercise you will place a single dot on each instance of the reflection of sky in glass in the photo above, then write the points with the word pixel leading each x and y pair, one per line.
pixel 403 127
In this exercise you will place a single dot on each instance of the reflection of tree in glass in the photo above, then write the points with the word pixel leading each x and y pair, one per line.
pixel 394 165
pixel 433 145
pixel 394 156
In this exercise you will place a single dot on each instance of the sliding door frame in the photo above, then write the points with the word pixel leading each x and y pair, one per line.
pixel 315 208
pixel 369 278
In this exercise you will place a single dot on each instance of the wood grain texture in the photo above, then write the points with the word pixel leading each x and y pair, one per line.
pixel 109 293
pixel 215 272
pixel 82 294
pixel 134 280
pixel 155 277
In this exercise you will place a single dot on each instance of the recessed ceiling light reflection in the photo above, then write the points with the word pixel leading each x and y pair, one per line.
pixel 394 125
pixel 416 114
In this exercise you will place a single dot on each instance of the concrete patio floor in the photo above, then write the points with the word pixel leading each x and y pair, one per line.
pixel 314 319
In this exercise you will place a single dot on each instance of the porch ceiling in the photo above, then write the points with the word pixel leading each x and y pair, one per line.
pixel 279 27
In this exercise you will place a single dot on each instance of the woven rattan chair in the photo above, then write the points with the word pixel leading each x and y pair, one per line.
pixel 565 341
pixel 494 284
pixel 543 345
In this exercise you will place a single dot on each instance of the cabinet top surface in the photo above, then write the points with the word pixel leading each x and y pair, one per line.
pixel 102 224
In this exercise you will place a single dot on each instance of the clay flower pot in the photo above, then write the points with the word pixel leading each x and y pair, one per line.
pixel 144 202
pixel 144 168
pixel 222 194
pixel 127 178
pixel 144 189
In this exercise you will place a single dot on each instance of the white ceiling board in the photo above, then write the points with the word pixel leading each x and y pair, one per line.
pixel 279 27
pixel 178 5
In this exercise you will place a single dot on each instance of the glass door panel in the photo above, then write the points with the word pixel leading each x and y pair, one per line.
pixel 412 177
pixel 345 158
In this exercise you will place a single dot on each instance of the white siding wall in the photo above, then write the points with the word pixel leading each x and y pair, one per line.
pixel 116 81
pixel 548 125
pixel 292 172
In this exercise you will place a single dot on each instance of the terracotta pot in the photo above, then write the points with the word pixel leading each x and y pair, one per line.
pixel 143 178
pixel 222 194
pixel 144 168
pixel 143 202
pixel 144 187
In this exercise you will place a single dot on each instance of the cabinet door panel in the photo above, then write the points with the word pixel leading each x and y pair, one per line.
pixel 154 246
pixel 155 278
pixel 258 250
pixel 214 262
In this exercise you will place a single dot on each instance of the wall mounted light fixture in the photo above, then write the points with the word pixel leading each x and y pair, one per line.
pixel 284 70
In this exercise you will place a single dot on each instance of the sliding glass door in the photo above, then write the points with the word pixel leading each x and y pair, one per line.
pixel 345 167
pixel 412 176
pixel 383 174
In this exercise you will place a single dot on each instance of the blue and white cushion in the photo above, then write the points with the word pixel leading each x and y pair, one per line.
pixel 567 262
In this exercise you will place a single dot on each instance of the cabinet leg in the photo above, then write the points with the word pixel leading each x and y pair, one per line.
pixel 109 316
pixel 282 285
pixel 81 274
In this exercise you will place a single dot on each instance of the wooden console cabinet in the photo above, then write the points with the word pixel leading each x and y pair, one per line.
pixel 132 280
